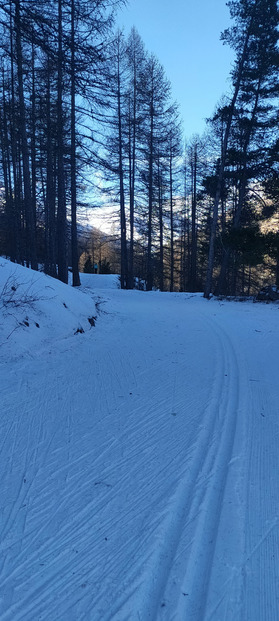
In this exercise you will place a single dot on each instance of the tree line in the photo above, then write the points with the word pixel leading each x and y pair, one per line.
pixel 51 79
pixel 88 118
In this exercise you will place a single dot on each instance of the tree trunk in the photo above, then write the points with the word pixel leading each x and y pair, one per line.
pixel 50 223
pixel 62 259
pixel 75 270
pixel 161 231
pixel 194 222
pixel 124 256
pixel 149 274
pixel 171 227
pixel 30 221
pixel 33 139
pixel 132 168
pixel 14 156
pixel 6 166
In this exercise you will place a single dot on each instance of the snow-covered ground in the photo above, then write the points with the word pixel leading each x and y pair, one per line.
pixel 139 458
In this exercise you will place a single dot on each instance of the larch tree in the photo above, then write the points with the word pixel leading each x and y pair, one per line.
pixel 155 98
pixel 135 54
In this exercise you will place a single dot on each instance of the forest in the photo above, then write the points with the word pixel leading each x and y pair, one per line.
pixel 88 122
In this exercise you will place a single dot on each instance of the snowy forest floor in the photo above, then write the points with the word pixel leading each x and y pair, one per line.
pixel 139 459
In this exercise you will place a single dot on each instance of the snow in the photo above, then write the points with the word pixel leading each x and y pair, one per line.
pixel 139 458
pixel 37 309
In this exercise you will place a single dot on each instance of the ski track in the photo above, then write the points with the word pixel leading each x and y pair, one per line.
pixel 198 500
pixel 262 537
pixel 131 475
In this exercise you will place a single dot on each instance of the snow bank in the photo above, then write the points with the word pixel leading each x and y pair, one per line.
pixel 100 281
pixel 36 309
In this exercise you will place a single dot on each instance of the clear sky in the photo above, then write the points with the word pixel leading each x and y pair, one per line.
pixel 185 37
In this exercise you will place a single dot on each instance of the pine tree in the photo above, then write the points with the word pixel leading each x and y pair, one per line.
pixel 254 107
pixel 254 37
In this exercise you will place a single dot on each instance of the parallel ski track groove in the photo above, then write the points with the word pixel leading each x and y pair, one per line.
pixel 196 501
pixel 217 461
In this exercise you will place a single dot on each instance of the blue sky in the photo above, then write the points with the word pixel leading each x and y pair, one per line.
pixel 185 36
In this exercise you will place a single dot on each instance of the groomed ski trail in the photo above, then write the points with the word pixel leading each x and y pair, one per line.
pixel 137 483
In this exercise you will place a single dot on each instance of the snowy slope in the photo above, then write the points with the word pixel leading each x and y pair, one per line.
pixel 36 309
pixel 140 463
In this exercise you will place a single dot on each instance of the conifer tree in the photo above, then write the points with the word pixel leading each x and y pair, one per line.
pixel 254 37
pixel 254 107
